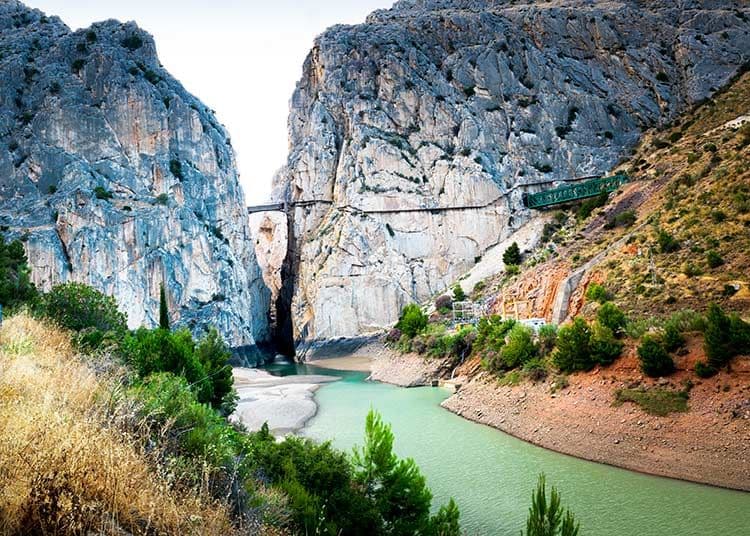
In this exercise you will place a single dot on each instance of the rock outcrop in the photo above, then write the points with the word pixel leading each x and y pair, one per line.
pixel 415 134
pixel 114 175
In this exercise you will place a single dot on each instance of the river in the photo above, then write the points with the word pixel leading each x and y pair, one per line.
pixel 491 474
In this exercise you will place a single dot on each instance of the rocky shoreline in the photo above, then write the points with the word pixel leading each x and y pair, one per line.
pixel 710 444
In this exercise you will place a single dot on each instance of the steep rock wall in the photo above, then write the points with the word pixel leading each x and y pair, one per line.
pixel 114 175
pixel 454 104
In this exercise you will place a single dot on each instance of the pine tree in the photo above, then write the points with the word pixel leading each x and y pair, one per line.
pixel 163 310
pixel 396 487
pixel 546 518
pixel 512 255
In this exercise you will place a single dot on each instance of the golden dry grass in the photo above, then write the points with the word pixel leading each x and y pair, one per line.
pixel 63 469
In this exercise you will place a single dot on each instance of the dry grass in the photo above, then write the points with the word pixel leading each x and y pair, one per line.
pixel 63 468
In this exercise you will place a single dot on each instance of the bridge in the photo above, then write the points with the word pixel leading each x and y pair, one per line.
pixel 592 187
pixel 568 193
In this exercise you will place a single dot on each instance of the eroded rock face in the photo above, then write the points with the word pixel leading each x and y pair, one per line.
pixel 114 175
pixel 448 104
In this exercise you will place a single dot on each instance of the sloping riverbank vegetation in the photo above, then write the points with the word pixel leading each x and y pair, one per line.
pixel 515 352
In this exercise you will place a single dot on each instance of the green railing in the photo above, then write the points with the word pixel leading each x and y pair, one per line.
pixel 566 194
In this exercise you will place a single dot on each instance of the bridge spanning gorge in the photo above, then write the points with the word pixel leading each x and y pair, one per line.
pixel 584 188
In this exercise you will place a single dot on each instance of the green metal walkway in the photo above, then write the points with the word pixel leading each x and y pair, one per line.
pixel 566 194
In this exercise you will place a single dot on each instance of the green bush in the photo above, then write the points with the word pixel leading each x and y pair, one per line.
pixel 598 293
pixel 547 339
pixel 573 352
pixel 162 199
pixel 725 337
pixel 512 255
pixel 612 317
pixel 655 361
pixel 519 348
pixel 588 206
pixel 76 307
pixel 458 293
pixel 100 192
pixel 16 287
pixel 667 242
pixel 672 338
pixel 491 333
pixel 704 370
pixel 132 42
pixel 159 350
pixel 713 259
pixel 603 346
pixel 213 354
pixel 175 167
pixel 412 320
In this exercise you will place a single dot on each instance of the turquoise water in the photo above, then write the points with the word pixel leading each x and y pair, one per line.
pixel 491 474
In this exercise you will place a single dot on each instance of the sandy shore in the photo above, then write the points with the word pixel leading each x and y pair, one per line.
pixel 286 403
pixel 352 363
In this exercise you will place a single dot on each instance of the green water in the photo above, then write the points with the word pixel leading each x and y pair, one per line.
pixel 491 474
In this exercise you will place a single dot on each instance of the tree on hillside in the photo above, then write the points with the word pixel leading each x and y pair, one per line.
pixel 512 255
pixel 546 518
pixel 15 277
pixel 458 293
pixel 163 309
pixel 412 320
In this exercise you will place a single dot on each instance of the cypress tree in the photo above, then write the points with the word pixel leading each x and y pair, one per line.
pixel 512 255
pixel 163 310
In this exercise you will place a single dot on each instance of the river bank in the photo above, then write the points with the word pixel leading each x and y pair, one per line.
pixel 285 403
pixel 709 444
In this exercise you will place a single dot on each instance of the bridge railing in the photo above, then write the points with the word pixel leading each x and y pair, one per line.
pixel 564 194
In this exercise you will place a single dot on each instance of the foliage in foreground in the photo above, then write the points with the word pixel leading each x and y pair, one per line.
pixel 15 279
pixel 546 516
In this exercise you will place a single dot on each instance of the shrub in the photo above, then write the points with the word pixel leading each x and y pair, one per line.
pixel 76 307
pixel 535 370
pixel 132 42
pixel 672 337
pixel 444 303
pixel 393 335
pixel 704 370
pixel 667 242
pixel 412 320
pixel 162 199
pixel 725 337
pixel 491 333
pixel 77 65
pixel 175 167
pixel 713 259
pixel 512 269
pixel 458 293
pixel 547 337
pixel 102 193
pixel 662 77
pixel 573 352
pixel 213 354
pixel 603 346
pixel 588 206
pixel 598 293
pixel 655 361
pixel 16 287
pixel 519 348
pixel 512 255
pixel 612 317
pixel 660 402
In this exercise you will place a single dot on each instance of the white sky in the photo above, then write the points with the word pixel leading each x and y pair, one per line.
pixel 241 58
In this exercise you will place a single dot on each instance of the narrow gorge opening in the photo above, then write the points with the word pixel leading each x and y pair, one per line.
pixel 283 327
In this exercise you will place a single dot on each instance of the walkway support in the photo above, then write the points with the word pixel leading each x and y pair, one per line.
pixel 566 194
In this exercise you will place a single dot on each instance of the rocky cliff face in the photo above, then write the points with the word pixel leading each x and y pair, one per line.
pixel 114 175
pixel 417 132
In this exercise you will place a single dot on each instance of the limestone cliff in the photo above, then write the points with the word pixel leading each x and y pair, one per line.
pixel 416 133
pixel 114 175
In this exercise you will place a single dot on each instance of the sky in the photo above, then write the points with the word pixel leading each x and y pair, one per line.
pixel 241 58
